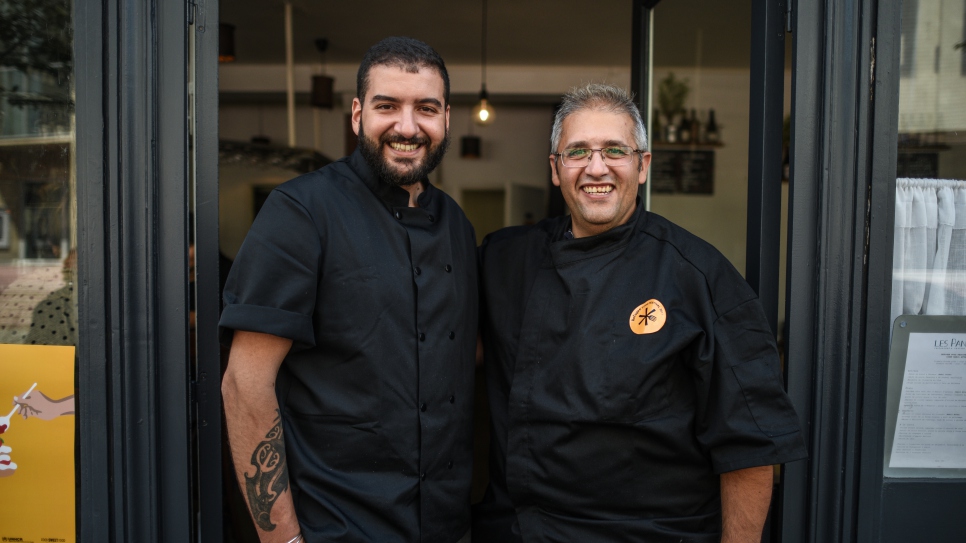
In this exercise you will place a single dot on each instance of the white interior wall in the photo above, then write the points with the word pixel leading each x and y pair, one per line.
pixel 515 150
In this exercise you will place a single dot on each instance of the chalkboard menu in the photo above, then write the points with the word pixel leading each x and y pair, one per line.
pixel 682 171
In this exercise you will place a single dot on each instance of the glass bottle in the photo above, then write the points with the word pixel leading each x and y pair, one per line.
pixel 711 130
pixel 695 128
pixel 684 129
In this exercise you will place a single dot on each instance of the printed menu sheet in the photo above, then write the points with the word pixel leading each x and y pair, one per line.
pixel 931 426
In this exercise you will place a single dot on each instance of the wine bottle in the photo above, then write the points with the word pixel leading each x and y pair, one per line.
pixel 711 130
pixel 656 129
pixel 684 129
pixel 695 128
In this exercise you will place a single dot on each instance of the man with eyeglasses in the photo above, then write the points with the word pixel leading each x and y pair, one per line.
pixel 633 382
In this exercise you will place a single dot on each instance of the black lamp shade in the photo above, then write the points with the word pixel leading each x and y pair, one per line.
pixel 470 146
pixel 322 95
pixel 226 42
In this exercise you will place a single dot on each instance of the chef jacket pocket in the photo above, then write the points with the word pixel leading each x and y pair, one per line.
pixel 342 443
pixel 761 384
pixel 358 295
pixel 635 388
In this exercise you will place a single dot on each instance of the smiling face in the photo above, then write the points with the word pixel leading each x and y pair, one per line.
pixel 403 126
pixel 600 196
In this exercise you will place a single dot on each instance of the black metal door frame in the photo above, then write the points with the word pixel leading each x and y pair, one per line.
pixel 207 375
pixel 825 275
pixel 135 464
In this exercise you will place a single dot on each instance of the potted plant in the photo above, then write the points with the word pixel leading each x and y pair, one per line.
pixel 671 95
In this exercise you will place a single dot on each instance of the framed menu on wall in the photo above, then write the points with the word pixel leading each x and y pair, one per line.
pixel 682 171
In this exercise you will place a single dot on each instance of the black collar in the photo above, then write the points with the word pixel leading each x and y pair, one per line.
pixel 566 249
pixel 390 195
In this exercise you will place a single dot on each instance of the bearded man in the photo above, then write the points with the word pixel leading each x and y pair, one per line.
pixel 351 311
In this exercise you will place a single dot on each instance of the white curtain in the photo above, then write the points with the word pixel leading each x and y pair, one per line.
pixel 929 261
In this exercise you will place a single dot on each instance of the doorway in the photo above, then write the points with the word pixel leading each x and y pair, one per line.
pixel 701 184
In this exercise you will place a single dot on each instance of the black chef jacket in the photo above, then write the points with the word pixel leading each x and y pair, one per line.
pixel 377 391
pixel 603 434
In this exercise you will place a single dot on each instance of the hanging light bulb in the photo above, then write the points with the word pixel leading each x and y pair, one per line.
pixel 322 94
pixel 483 112
pixel 226 42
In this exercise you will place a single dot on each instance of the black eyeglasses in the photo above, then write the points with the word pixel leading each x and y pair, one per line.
pixel 612 156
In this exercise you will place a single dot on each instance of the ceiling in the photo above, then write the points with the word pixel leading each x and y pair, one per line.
pixel 520 32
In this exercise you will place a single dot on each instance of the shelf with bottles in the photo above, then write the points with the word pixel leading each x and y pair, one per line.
pixel 689 132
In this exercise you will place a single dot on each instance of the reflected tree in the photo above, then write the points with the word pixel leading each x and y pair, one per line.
pixel 36 38
pixel 36 34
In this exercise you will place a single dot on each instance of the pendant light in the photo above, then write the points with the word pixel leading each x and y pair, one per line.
pixel 226 42
pixel 483 112
pixel 322 95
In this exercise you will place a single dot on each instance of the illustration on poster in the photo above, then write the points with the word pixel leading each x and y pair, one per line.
pixel 39 406
pixel 8 466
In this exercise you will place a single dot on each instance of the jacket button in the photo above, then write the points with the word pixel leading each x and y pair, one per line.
pixel 417 271
pixel 422 476
pixel 452 335
pixel 452 399
pixel 449 464
pixel 422 406
pixel 448 268
pixel 398 215
pixel 422 336
pixel 432 218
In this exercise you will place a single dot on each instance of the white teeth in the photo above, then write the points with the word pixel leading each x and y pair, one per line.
pixel 597 190
pixel 404 146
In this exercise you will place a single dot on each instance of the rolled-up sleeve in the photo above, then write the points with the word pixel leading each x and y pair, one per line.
pixel 273 281
pixel 745 418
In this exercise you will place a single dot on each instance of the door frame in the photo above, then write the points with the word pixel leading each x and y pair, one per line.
pixel 845 83
pixel 136 392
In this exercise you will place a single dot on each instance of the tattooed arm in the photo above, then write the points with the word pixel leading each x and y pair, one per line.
pixel 255 432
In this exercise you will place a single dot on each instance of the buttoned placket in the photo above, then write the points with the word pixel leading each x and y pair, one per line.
pixel 435 342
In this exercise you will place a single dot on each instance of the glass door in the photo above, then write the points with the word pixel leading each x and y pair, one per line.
pixel 720 114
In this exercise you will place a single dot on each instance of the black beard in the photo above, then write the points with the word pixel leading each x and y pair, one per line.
pixel 372 152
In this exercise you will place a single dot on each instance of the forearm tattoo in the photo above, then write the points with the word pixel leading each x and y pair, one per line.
pixel 271 475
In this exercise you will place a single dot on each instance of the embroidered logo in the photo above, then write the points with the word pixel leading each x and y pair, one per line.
pixel 647 318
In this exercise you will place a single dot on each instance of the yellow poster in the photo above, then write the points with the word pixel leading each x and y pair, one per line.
pixel 37 450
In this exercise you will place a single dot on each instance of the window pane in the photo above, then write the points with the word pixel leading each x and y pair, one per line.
pixel 38 302
pixel 926 424
pixel 930 230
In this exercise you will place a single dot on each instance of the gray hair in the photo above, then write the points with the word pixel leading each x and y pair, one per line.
pixel 602 97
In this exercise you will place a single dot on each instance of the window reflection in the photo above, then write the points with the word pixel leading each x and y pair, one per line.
pixel 37 206
pixel 929 260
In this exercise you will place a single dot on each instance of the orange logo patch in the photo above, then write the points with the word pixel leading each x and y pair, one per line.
pixel 647 318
